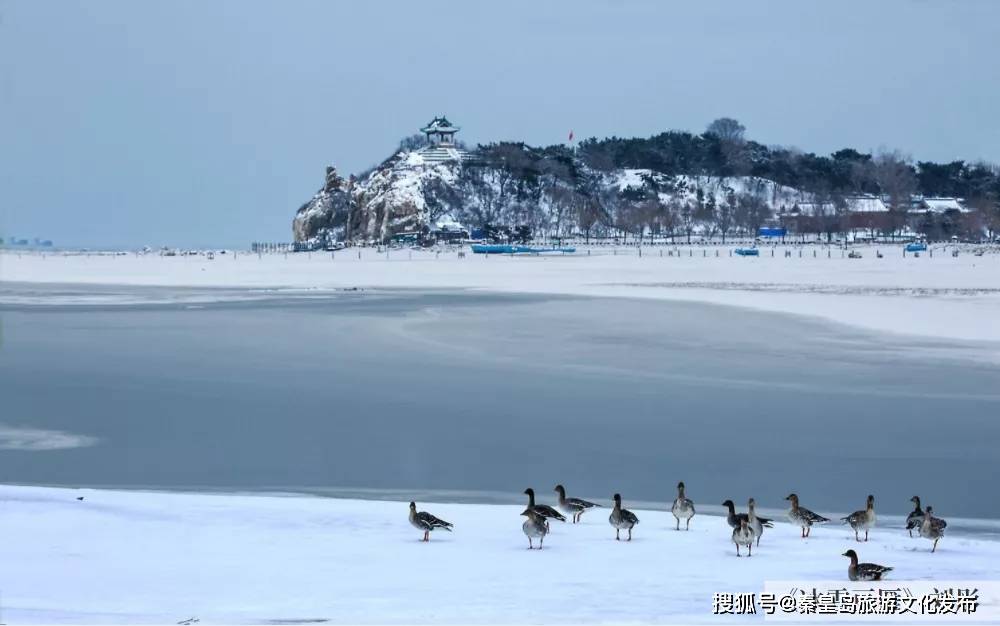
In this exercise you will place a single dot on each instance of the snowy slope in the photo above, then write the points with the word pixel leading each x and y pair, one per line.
pixel 144 557
pixel 685 188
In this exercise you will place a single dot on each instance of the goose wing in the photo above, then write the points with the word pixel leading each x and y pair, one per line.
pixel 871 571
pixel 546 511
pixel 582 504
pixel 854 519
pixel 433 522
pixel 812 518
pixel 629 517
pixel 914 520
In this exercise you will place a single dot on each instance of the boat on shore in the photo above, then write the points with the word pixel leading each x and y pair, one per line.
pixel 484 248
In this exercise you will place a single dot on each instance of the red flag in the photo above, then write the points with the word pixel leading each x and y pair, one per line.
pixel 571 135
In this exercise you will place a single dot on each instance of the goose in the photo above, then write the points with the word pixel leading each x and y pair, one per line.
pixel 756 524
pixel 544 510
pixel 683 508
pixel 534 526
pixel 803 517
pixel 622 519
pixel 573 506
pixel 862 520
pixel 426 522
pixel 733 518
pixel 916 517
pixel 932 527
pixel 864 571
pixel 743 536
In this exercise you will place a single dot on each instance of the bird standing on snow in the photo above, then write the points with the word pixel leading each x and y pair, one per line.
pixel 622 519
pixel 916 517
pixel 803 517
pixel 573 506
pixel 756 524
pixel 544 510
pixel 743 536
pixel 426 522
pixel 862 520
pixel 864 571
pixel 932 527
pixel 683 508
pixel 733 518
pixel 534 526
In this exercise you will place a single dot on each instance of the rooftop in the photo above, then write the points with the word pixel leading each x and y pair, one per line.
pixel 440 125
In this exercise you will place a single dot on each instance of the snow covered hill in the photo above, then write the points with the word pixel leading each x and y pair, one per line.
pixel 553 196
pixel 143 557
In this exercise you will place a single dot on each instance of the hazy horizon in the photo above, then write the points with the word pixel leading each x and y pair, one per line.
pixel 194 124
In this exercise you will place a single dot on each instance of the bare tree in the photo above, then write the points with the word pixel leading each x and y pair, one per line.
pixel 413 142
pixel 724 216
pixel 897 182
pixel 685 216
pixel 727 129
pixel 751 212
pixel 588 216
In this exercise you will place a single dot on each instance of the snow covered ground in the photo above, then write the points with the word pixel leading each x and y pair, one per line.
pixel 935 296
pixel 142 557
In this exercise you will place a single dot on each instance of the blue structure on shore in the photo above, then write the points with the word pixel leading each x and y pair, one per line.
pixel 502 248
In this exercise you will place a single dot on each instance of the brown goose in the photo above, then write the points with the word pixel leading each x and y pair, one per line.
pixel 683 508
pixel 803 517
pixel 573 506
pixel 534 527
pixel 862 520
pixel 743 536
pixel 622 519
pixel 426 522
pixel 864 571
pixel 931 529
pixel 542 509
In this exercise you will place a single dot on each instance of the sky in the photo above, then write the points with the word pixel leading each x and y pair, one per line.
pixel 194 124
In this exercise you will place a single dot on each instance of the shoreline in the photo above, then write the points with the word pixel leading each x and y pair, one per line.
pixel 984 529
pixel 941 297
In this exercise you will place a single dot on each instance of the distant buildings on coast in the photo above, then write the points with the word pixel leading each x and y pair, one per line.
pixel 15 242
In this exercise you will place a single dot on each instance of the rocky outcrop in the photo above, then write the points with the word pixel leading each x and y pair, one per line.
pixel 515 185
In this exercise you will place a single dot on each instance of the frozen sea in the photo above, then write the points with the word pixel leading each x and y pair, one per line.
pixel 468 396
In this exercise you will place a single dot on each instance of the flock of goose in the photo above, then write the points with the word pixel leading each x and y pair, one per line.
pixel 747 527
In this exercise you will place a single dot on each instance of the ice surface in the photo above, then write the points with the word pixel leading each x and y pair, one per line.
pixel 142 557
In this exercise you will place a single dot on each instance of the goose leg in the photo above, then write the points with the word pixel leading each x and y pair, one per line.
pixel 541 540
pixel 629 535
pixel 856 536
pixel 427 535
pixel 678 523
pixel 935 546
pixel 687 524
pixel 617 536
pixel 749 549
pixel 866 535
pixel 738 550
pixel 530 545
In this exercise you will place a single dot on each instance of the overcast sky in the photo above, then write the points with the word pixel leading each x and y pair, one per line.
pixel 208 123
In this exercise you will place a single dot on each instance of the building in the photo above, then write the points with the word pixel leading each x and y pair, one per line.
pixel 441 145
pixel 938 205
